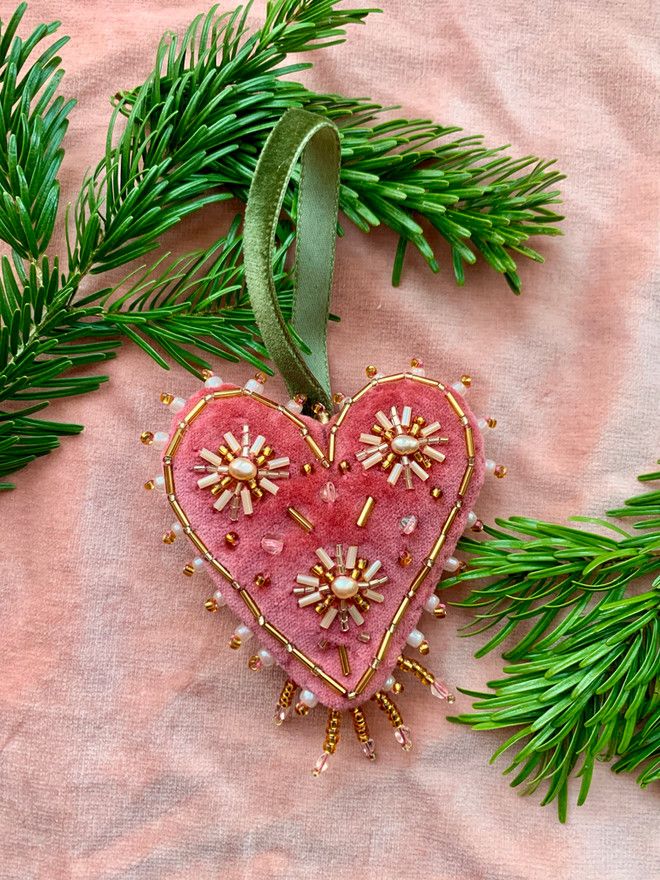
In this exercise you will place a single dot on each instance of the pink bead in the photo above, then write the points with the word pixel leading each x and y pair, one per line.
pixel 272 544
pixel 403 737
pixel 321 765
pixel 328 493
pixel 440 690
pixel 369 749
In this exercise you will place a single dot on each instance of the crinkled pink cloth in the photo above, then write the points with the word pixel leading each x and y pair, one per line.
pixel 134 744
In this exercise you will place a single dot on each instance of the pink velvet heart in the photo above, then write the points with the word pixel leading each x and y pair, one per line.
pixel 374 448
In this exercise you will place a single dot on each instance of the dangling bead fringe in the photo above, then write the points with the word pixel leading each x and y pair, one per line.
pixel 438 688
pixel 283 708
pixel 362 733
pixel 389 707
pixel 330 743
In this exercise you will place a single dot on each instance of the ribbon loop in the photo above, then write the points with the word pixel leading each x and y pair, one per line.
pixel 315 139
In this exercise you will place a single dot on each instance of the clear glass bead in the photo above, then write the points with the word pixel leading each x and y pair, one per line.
pixel 403 737
pixel 272 544
pixel 408 524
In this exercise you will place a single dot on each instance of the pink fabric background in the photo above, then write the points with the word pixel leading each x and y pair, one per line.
pixel 134 744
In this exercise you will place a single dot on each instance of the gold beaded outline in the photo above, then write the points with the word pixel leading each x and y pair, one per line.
pixel 318 453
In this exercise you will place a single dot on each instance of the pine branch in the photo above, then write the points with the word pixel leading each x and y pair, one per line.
pixel 394 172
pixel 589 688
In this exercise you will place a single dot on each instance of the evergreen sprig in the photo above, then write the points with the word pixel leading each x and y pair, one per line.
pixel 189 136
pixel 585 682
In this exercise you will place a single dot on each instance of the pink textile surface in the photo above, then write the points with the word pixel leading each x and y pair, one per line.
pixel 133 743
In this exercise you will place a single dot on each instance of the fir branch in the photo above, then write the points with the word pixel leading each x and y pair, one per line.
pixel 395 172
pixel 588 689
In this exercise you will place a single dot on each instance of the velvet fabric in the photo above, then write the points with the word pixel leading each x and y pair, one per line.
pixel 334 522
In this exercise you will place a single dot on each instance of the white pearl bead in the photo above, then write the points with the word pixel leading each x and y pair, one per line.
pixel 219 599
pixel 460 387
pixel 490 467
pixel 471 518
pixel 432 603
pixel 451 564
pixel 293 406
pixel 177 528
pixel 159 482
pixel 308 698
pixel 415 638
pixel 483 424
pixel 418 371
pixel 389 683
pixel 213 382
pixel 177 404
pixel 254 386
pixel 265 657
pixel 160 438
pixel 198 562
pixel 243 633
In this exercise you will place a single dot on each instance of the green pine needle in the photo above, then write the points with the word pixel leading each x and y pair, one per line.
pixel 584 684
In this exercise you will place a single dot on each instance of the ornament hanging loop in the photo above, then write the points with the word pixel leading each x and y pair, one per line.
pixel 299 135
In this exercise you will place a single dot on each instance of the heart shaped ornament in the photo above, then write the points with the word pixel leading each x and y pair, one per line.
pixel 326 537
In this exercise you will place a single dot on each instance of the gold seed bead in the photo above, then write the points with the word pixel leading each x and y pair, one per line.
pixel 149 485
pixel 415 668
pixel 261 378
pixel 235 643
pixel 344 467
pixel 262 580
pixel 206 374
pixel 307 469
pixel 189 570
pixel 415 362
pixel 169 537
pixel 405 558
pixel 370 371
pixel 440 612
pixel 397 688
pixel 501 471
pixel 302 709
pixel 492 423
pixel 332 731
pixel 424 649
pixel 300 399
pixel 321 413
pixel 466 380
pixel 360 724
pixel 231 539
pixel 211 605
pixel 389 708
pixel 286 694
pixel 254 663
pixel 421 421
pixel 147 437
pixel 166 398
pixel 436 492
pixel 337 398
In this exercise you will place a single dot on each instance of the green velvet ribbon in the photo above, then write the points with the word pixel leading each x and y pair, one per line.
pixel 315 139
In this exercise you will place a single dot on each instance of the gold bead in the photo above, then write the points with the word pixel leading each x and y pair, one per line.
pixel 440 611
pixel 424 649
pixel 466 380
pixel 370 371
pixel 302 709
pixel 300 399
pixel 149 485
pixel 307 469
pixel 261 378
pixel 420 420
pixel 189 570
pixel 492 423
pixel 262 580
pixel 166 398
pixel 231 539
pixel 254 663
pixel 415 362
pixel 211 605
pixel 397 687
pixel 206 374
pixel 321 413
pixel 169 537
pixel 337 398
pixel 235 643
pixel 436 492
pixel 405 558
pixel 501 471
pixel 344 467
pixel 146 437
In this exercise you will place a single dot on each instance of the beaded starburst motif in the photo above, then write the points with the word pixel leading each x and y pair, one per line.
pixel 403 445
pixel 238 474
pixel 340 587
